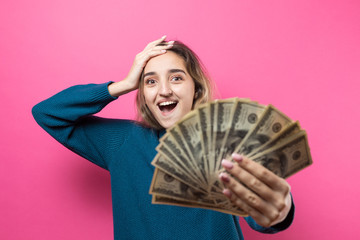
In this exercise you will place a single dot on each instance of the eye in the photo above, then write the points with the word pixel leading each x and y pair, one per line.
pixel 149 81
pixel 176 78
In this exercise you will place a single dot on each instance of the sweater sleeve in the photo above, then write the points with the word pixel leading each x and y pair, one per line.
pixel 276 228
pixel 67 116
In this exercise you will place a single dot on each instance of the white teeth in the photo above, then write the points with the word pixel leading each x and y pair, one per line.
pixel 166 103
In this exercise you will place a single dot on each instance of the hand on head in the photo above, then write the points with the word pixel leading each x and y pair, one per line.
pixel 150 51
pixel 131 82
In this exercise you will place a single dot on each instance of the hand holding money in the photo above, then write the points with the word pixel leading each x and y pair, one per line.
pixel 190 155
pixel 256 190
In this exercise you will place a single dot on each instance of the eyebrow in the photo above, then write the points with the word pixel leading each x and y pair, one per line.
pixel 170 71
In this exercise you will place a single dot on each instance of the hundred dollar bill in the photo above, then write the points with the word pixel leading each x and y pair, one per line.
pixel 290 130
pixel 165 164
pixel 271 123
pixel 222 122
pixel 245 116
pixel 205 125
pixel 211 135
pixel 176 133
pixel 156 199
pixel 176 154
pixel 212 117
pixel 164 184
pixel 288 157
pixel 191 132
pixel 185 155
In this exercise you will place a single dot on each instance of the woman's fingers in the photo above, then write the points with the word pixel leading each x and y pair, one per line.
pixel 258 216
pixel 256 190
pixel 249 201
pixel 253 183
pixel 152 50
pixel 264 175
pixel 141 59
pixel 156 42
pixel 132 79
pixel 155 50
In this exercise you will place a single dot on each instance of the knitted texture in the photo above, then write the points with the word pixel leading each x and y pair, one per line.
pixel 126 149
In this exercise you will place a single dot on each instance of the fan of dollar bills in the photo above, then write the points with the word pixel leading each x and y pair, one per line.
pixel 190 153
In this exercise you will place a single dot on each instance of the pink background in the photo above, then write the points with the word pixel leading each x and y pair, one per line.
pixel 301 56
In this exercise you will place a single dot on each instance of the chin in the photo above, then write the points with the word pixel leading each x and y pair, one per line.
pixel 167 125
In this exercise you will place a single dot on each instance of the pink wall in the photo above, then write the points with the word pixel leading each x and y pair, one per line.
pixel 301 56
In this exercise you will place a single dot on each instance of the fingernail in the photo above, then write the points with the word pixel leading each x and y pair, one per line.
pixel 163 36
pixel 227 193
pixel 237 157
pixel 224 177
pixel 163 51
pixel 171 42
pixel 227 164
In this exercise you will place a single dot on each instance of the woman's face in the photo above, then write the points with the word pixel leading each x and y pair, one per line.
pixel 168 88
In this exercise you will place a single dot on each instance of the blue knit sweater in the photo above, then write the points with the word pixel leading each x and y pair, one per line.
pixel 126 149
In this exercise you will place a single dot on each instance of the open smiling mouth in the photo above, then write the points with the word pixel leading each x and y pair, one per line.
pixel 166 107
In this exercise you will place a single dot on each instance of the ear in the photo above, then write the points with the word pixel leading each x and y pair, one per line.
pixel 196 95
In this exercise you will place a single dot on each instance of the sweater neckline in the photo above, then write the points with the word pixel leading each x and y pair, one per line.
pixel 161 132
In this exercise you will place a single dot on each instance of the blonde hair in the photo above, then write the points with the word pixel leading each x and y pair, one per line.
pixel 197 71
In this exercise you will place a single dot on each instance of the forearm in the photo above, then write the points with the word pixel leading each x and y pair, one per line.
pixel 59 113
pixel 117 89
pixel 66 116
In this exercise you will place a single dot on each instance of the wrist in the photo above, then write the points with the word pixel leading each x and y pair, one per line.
pixel 117 89
pixel 285 212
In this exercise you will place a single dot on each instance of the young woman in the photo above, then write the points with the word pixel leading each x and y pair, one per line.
pixel 170 82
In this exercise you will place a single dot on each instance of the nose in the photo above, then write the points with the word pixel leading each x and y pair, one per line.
pixel 165 89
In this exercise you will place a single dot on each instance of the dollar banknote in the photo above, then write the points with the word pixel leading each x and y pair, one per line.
pixel 157 199
pixel 191 132
pixel 164 184
pixel 287 158
pixel 222 122
pixel 246 115
pixel 205 125
pixel 176 154
pixel 290 130
pixel 165 164
pixel 271 123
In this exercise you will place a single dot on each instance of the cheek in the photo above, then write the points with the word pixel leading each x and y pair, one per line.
pixel 189 101
pixel 187 90
pixel 148 96
pixel 190 92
